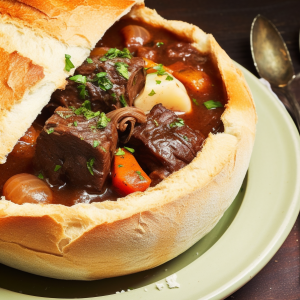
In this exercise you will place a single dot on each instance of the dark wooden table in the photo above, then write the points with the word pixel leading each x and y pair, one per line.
pixel 230 21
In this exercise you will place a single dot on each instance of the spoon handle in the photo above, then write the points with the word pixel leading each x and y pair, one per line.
pixel 295 105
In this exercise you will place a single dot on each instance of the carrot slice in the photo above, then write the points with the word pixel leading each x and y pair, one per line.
pixel 127 175
pixel 195 80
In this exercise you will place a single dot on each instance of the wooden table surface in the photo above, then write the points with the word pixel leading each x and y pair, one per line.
pixel 230 22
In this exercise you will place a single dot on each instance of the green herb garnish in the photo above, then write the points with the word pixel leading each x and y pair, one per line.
pixel 75 123
pixel 89 165
pixel 57 167
pixel 82 91
pixel 195 101
pixel 122 69
pixel 152 93
pixel 211 104
pixel 186 138
pixel 158 44
pixel 79 79
pixel 140 175
pixel 50 130
pixel 120 166
pixel 158 81
pixel 103 149
pixel 103 120
pixel 114 52
pixel 96 144
pixel 89 60
pixel 40 176
pixel 131 150
pixel 62 115
pixel 156 123
pixel 160 70
pixel 123 101
pixel 120 152
pixel 69 65
pixel 103 81
pixel 85 110
pixel 169 78
pixel 178 123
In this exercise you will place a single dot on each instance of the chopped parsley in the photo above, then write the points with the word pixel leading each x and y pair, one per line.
pixel 62 115
pixel 120 152
pixel 103 121
pixel 123 101
pixel 158 81
pixel 82 80
pixel 50 130
pixel 152 93
pixel 103 81
pixel 186 138
pixel 120 166
pixel 103 58
pixel 178 123
pixel 195 101
pixel 160 70
pixel 158 44
pixel 89 60
pixel 122 69
pixel 211 104
pixel 75 123
pixel 103 149
pixel 57 167
pixel 114 52
pixel 89 165
pixel 140 175
pixel 69 65
pixel 85 110
pixel 79 79
pixel 169 78
pixel 41 176
pixel 131 150
pixel 82 91
pixel 96 144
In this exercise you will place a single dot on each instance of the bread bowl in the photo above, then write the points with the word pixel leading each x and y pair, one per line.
pixel 142 230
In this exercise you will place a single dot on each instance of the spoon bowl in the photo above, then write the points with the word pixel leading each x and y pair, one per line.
pixel 270 54
pixel 272 60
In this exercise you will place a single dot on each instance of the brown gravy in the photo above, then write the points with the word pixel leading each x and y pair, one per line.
pixel 200 118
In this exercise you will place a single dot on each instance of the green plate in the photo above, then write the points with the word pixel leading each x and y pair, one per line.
pixel 241 244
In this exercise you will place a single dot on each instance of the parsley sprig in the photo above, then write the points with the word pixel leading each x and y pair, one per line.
pixel 178 123
pixel 114 52
pixel 103 81
pixel 69 65
pixel 211 104
pixel 122 69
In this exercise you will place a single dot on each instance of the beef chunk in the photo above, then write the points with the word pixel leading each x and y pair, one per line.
pixel 109 99
pixel 83 152
pixel 185 51
pixel 164 143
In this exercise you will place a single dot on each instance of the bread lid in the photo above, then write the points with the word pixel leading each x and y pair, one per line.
pixel 35 36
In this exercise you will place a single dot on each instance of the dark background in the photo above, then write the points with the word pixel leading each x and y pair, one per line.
pixel 230 23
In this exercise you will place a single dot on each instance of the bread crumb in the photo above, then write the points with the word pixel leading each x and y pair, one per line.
pixel 146 290
pixel 122 291
pixel 171 281
pixel 276 260
pixel 160 286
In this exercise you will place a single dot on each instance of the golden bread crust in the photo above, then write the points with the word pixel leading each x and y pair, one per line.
pixel 142 230
pixel 73 22
pixel 18 76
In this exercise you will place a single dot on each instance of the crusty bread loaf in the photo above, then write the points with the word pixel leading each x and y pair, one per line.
pixel 40 33
pixel 142 230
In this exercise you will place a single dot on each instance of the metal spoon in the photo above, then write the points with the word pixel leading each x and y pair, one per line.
pixel 272 60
